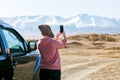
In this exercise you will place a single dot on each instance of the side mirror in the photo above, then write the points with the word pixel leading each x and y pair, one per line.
pixel 32 45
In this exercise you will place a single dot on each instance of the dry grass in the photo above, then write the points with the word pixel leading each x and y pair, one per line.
pixel 110 72
pixel 21 70
pixel 83 59
pixel 91 60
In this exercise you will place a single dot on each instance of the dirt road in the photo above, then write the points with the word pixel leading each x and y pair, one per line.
pixel 91 60
pixel 90 65
pixel 80 68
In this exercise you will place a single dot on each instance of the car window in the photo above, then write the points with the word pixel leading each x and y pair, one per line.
pixel 15 44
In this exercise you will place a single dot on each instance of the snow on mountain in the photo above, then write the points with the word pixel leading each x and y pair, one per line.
pixel 4 24
pixel 84 23
pixel 86 20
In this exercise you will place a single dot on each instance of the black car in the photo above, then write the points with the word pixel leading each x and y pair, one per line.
pixel 26 58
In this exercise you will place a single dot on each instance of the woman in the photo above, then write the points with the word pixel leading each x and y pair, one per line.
pixel 50 67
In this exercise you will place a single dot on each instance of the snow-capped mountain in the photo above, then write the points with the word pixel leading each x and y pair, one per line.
pixel 4 24
pixel 84 23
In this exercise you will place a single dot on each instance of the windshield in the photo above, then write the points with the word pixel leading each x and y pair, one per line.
pixel 14 42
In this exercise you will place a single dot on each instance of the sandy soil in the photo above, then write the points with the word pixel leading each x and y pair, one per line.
pixel 87 60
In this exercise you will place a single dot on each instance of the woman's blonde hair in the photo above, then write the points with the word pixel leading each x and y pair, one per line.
pixel 46 30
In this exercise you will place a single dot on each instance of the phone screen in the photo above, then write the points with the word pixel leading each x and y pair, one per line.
pixel 61 28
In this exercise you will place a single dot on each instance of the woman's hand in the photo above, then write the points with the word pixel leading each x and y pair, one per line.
pixel 58 36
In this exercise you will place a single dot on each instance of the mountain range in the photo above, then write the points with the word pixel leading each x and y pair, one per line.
pixel 80 24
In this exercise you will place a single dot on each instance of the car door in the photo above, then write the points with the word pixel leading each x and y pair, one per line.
pixel 0 49
pixel 1 52
pixel 2 57
pixel 25 60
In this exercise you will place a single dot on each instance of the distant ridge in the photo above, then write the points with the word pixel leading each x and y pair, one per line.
pixel 83 23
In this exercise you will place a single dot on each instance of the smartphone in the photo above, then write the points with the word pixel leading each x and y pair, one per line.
pixel 61 28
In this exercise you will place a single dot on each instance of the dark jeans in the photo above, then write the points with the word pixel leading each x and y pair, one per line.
pixel 47 74
pixel 7 75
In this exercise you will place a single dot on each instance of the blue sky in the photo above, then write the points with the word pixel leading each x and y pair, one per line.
pixel 64 8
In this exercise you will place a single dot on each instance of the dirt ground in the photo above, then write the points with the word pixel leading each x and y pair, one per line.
pixel 88 60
